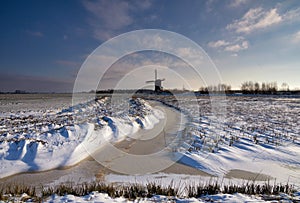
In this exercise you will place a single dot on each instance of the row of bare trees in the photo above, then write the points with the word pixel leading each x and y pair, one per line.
pixel 216 88
pixel 248 87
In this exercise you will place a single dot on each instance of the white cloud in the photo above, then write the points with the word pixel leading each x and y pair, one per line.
pixel 292 15
pixel 237 47
pixel 237 3
pixel 219 43
pixel 270 18
pixel 296 37
pixel 233 48
pixel 245 44
pixel 254 19
pixel 259 18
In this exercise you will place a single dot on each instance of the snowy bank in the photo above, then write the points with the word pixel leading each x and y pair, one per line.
pixel 36 142
pixel 102 197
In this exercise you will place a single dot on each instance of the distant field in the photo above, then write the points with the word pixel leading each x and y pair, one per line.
pixel 26 102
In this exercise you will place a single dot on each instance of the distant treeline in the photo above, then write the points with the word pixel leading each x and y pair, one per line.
pixel 15 92
pixel 250 87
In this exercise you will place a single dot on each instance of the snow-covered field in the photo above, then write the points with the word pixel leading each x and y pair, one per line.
pixel 257 140
pixel 47 137
pixel 100 197
pixel 258 134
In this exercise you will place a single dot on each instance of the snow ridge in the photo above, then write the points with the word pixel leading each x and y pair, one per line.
pixel 41 141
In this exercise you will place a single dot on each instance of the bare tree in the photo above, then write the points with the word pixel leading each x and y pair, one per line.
pixel 263 87
pixel 285 87
pixel 256 87
pixel 250 87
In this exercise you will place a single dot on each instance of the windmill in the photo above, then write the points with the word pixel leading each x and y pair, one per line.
pixel 157 83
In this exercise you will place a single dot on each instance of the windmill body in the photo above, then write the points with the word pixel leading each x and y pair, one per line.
pixel 157 83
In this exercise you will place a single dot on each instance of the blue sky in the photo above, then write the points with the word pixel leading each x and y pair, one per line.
pixel 44 43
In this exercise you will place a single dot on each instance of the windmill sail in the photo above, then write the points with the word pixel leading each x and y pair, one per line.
pixel 157 82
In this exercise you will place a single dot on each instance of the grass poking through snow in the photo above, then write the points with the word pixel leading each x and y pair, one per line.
pixel 137 191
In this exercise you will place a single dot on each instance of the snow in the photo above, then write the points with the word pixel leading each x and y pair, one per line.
pixel 105 198
pixel 34 141
pixel 102 197
pixel 179 181
pixel 258 134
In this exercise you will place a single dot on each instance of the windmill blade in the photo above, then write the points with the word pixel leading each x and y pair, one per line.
pixel 150 81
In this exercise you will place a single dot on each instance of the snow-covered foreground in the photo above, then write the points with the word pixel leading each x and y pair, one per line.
pixel 36 140
pixel 258 140
pixel 258 134
pixel 101 197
